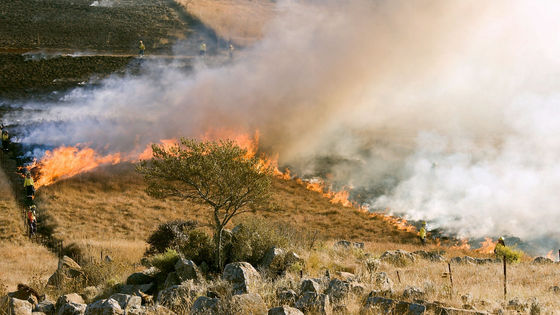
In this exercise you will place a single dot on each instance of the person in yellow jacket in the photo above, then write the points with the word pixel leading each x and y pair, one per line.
pixel 422 233
pixel 202 49
pixel 29 185
pixel 5 139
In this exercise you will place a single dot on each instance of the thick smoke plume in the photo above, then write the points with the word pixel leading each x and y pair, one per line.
pixel 440 110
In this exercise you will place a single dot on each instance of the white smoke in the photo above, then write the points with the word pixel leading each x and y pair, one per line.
pixel 440 110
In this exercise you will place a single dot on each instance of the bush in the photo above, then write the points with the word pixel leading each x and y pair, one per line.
pixel 169 235
pixel 199 248
pixel 165 261
pixel 512 254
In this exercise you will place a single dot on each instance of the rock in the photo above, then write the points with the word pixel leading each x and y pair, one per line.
pixel 292 258
pixel 338 290
pixel 383 282
pixel 19 307
pixel 143 277
pixel 46 307
pixel 347 276
pixel 413 293
pixel 71 308
pixel 348 244
pixel 242 276
pixel 179 296
pixel 250 303
pixel 67 269
pixel 398 257
pixel 314 303
pixel 104 307
pixel 284 310
pixel 68 298
pixel 205 305
pixel 379 305
pixel 310 285
pixel 286 297
pixel 135 289
pixel 542 261
pixel 372 265
pixel 187 270
pixel 357 288
pixel 483 261
pixel 463 260
pixel 127 301
pixel 274 259
pixel 554 288
pixel 431 256
pixel 171 280
pixel 150 310
pixel 89 293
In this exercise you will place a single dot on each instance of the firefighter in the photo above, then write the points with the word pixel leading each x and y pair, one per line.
pixel 5 139
pixel 231 50
pixel 202 50
pixel 29 186
pixel 32 220
pixel 422 233
pixel 500 242
pixel 141 49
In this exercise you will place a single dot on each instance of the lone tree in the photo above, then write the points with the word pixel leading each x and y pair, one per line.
pixel 220 173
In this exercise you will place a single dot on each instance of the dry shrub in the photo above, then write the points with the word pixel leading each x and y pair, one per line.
pixel 169 235
pixel 165 261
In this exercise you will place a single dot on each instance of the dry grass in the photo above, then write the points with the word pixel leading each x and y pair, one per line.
pixel 241 21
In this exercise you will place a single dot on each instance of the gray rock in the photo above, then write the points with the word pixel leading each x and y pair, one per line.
pixel 135 289
pixel 89 293
pixel 274 259
pixel 383 282
pixel 286 297
pixel 242 276
pixel 310 285
pixel 379 305
pixel 72 308
pixel 431 256
pixel 483 261
pixel 517 305
pixel 143 277
pixel 463 260
pixel 127 301
pixel 357 288
pixel 348 244
pixel 338 290
pixel 398 257
pixel 67 269
pixel 104 307
pixel 187 270
pixel 314 303
pixel 413 293
pixel 205 305
pixel 19 307
pixel 284 310
pixel 292 258
pixel 346 276
pixel 179 297
pixel 67 298
pixel 250 303
pixel 46 307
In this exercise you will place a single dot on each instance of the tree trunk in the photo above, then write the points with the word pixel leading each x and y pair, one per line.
pixel 218 240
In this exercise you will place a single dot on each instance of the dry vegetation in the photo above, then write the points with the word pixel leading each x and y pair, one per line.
pixel 20 260
pixel 241 21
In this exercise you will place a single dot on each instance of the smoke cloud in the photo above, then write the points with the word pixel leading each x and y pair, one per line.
pixel 437 110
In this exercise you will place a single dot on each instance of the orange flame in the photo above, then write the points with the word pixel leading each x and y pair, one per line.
pixel 64 162
pixel 550 255
pixel 463 245
pixel 487 246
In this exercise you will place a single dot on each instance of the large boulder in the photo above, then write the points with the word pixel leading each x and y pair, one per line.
pixel 284 310
pixel 67 269
pixel 286 297
pixel 71 308
pixel 68 298
pixel 187 270
pixel 104 307
pixel 274 259
pixel 542 261
pixel 90 293
pixel 383 282
pixel 137 289
pixel 314 303
pixel 397 257
pixel 19 307
pixel 348 244
pixel 127 301
pixel 338 290
pixel 205 306
pixel 431 256
pixel 242 276
pixel 179 297
pixel 45 306
pixel 250 303
pixel 143 277
pixel 292 258
pixel 463 260
pixel 310 285
pixel 413 293
pixel 380 305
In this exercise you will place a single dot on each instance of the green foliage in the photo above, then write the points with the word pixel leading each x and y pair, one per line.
pixel 199 248
pixel 165 261
pixel 253 237
pixel 512 254
pixel 219 173
pixel 169 235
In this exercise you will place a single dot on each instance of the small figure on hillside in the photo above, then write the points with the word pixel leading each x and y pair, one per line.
pixel 5 139
pixel 29 185
pixel 231 50
pixel 32 220
pixel 422 233
pixel 500 242
pixel 202 50
pixel 141 49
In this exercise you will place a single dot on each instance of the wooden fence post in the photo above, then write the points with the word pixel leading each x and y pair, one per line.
pixel 450 276
pixel 398 276
pixel 505 279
